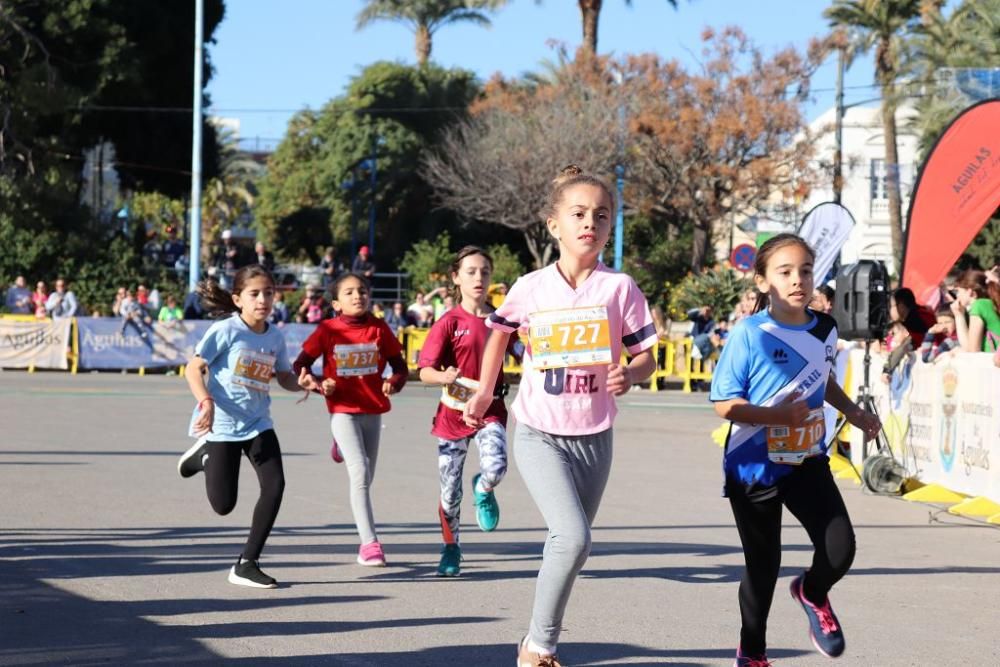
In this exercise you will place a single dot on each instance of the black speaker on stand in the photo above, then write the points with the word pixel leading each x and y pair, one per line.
pixel 861 305
pixel 861 309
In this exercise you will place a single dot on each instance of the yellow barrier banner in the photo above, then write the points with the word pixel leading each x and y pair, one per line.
pixel 34 343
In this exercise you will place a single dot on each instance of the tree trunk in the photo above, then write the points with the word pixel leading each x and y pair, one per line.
pixel 423 45
pixel 886 77
pixel 539 243
pixel 699 248
pixel 590 12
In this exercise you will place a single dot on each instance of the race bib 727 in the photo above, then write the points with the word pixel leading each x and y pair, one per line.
pixel 570 337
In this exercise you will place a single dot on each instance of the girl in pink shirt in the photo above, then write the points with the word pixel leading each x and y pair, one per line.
pixel 451 357
pixel 579 317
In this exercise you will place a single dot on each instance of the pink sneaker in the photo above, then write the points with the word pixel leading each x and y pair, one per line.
pixel 371 555
pixel 335 453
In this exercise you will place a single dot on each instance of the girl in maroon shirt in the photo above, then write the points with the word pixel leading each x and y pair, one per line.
pixel 451 357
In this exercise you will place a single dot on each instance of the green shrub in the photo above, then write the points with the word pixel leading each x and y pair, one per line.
pixel 720 288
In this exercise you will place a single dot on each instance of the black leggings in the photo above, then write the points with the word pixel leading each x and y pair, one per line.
pixel 222 476
pixel 813 497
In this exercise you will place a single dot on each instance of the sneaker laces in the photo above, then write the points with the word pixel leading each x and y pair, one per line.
pixel 827 621
pixel 758 662
pixel 547 661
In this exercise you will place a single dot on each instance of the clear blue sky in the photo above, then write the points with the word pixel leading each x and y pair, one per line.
pixel 274 57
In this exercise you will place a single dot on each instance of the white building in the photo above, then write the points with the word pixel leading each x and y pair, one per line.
pixel 864 191
pixel 864 171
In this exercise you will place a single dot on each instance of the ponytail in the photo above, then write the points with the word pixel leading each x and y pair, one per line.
pixel 216 302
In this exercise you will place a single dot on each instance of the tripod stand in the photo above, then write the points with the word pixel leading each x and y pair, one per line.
pixel 880 471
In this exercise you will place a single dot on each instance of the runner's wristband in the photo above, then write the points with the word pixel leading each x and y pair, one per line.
pixel 207 398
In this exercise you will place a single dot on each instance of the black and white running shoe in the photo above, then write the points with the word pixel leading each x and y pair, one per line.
pixel 247 573
pixel 193 460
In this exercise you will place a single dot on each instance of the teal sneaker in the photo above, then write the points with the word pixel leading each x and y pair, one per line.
pixel 487 509
pixel 451 561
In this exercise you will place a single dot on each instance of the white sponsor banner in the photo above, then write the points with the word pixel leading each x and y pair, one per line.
pixel 826 228
pixel 941 419
pixel 38 343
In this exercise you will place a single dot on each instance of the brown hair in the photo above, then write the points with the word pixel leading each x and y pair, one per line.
pixel 764 253
pixel 976 281
pixel 217 301
pixel 335 286
pixel 567 178
pixel 467 251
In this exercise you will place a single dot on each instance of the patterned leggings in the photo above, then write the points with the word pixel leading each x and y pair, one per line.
pixel 492 443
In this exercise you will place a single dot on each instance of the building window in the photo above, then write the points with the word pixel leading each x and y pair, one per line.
pixel 879 189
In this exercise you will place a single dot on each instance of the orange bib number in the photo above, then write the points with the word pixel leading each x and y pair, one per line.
pixel 794 444
pixel 457 394
pixel 354 360
pixel 254 370
pixel 570 337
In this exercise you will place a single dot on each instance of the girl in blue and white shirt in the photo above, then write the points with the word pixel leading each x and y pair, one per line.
pixel 771 383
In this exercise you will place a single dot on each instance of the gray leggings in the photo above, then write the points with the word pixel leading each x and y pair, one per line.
pixel 357 436
pixel 566 477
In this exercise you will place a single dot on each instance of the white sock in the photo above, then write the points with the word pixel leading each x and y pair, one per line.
pixel 480 487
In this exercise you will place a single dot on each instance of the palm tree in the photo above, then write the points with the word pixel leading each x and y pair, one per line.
pixel 884 25
pixel 590 14
pixel 424 17
pixel 967 38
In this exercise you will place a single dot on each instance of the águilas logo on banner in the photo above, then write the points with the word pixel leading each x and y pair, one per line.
pixel 949 423
pixel 957 191
pixel 38 343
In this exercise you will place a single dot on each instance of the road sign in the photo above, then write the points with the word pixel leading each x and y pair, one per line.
pixel 743 257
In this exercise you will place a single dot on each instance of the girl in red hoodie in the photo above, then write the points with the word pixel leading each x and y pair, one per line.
pixel 356 346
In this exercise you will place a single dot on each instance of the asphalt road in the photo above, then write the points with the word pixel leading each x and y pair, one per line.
pixel 108 557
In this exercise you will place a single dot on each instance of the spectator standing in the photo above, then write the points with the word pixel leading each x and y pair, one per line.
pixel 421 312
pixel 279 310
pixel 19 297
pixel 941 337
pixel 822 301
pixel 170 312
pixel 134 315
pixel 328 266
pixel 192 306
pixel 142 296
pixel 980 300
pixel 703 320
pixel 62 302
pixel 38 299
pixel 264 256
pixel 917 319
pixel 397 318
pixel 314 307
pixel 363 265
pixel 378 311
pixel 116 305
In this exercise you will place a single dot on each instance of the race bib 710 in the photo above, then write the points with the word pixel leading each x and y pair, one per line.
pixel 794 444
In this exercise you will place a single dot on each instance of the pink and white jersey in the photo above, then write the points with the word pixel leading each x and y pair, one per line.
pixel 571 336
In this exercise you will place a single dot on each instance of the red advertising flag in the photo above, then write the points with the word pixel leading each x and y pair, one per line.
pixel 957 191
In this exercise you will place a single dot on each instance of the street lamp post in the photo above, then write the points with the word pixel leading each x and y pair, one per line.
pixel 194 265
pixel 620 217
pixel 373 180
pixel 351 185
